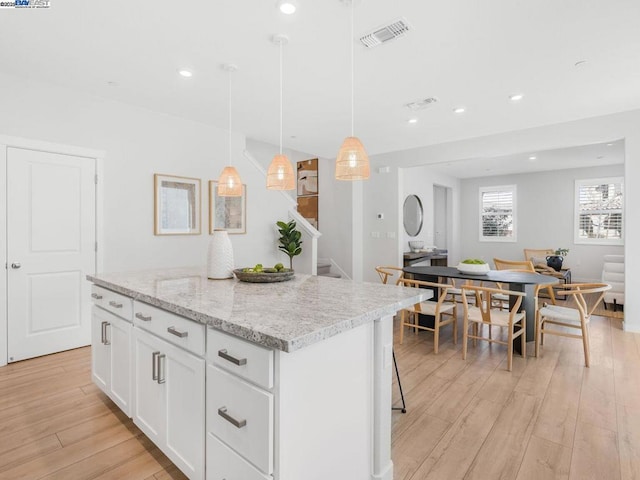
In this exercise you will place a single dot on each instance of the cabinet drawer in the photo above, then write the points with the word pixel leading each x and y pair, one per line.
pixel 173 328
pixel 225 464
pixel 114 302
pixel 245 359
pixel 241 415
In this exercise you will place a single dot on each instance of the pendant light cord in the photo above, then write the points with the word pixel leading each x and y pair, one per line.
pixel 352 70
pixel 281 42
pixel 230 163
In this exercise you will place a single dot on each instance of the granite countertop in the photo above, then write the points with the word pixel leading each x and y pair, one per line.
pixel 286 316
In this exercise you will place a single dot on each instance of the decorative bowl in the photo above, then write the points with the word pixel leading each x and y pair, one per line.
pixel 473 268
pixel 416 245
pixel 264 277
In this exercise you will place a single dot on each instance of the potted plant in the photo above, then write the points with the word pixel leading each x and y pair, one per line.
pixel 555 261
pixel 290 242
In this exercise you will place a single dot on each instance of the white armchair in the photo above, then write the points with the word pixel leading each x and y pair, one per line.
pixel 613 274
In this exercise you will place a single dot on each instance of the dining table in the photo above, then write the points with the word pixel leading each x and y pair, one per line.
pixel 518 281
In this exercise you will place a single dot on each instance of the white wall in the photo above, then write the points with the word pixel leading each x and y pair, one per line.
pixel 545 219
pixel 420 181
pixel 579 132
pixel 139 143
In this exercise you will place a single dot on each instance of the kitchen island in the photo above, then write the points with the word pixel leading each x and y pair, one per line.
pixel 278 381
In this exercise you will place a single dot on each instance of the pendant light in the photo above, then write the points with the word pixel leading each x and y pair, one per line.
pixel 352 162
pixel 280 175
pixel 229 183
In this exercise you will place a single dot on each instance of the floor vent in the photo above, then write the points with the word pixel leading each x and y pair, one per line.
pixel 385 33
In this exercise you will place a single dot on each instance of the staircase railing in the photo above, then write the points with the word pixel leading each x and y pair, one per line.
pixel 307 262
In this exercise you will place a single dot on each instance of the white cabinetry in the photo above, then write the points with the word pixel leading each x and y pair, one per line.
pixel 111 354
pixel 169 389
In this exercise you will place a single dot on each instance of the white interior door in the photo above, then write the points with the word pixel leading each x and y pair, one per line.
pixel 50 248
pixel 440 216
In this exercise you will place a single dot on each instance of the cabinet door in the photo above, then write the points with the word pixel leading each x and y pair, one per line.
pixel 185 435
pixel 100 353
pixel 119 336
pixel 149 403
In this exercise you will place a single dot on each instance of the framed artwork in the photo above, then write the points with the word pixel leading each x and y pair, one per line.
pixel 308 177
pixel 308 208
pixel 228 213
pixel 176 205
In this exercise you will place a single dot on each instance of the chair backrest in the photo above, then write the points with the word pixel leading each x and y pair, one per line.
pixel 594 293
pixel 444 289
pixel 536 256
pixel 613 272
pixel 513 265
pixel 483 300
pixel 387 272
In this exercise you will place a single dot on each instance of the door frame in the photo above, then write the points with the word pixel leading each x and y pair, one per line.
pixel 30 144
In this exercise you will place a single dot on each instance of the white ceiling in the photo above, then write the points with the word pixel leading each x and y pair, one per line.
pixel 464 52
pixel 599 154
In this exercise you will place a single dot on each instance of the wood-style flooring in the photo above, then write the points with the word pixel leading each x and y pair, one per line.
pixel 551 418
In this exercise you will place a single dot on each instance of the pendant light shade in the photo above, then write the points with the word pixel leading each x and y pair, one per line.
pixel 280 175
pixel 352 162
pixel 229 182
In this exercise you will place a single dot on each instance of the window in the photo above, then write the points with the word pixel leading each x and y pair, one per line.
pixel 598 216
pixel 498 214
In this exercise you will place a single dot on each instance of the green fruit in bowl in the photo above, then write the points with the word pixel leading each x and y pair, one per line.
pixel 278 266
pixel 474 261
pixel 247 270
pixel 258 267
pixel 270 270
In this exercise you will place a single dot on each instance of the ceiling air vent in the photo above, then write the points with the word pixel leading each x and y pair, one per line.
pixel 421 104
pixel 385 33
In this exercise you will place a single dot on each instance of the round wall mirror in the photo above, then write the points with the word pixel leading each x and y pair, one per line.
pixel 412 215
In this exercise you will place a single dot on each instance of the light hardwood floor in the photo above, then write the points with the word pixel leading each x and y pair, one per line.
pixel 551 418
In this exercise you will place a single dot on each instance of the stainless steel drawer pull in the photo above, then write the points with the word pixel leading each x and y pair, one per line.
pixel 177 333
pixel 222 411
pixel 142 317
pixel 154 365
pixel 96 296
pixel 115 304
pixel 103 327
pixel 237 361
pixel 161 376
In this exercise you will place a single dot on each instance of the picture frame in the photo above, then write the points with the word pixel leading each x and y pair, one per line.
pixel 227 213
pixel 177 205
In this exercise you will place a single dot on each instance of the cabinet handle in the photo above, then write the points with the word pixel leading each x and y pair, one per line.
pixel 175 332
pixel 237 361
pixel 106 337
pixel 142 317
pixel 103 326
pixel 161 376
pixel 222 411
pixel 154 365
pixel 115 304
pixel 96 296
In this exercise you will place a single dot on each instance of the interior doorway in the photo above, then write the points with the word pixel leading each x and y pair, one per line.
pixel 441 212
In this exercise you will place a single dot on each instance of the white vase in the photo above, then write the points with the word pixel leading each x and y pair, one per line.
pixel 220 256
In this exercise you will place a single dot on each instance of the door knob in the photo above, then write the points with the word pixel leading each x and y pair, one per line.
pixel 15 265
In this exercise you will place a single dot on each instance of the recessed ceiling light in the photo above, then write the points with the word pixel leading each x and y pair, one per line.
pixel 516 97
pixel 609 144
pixel 533 157
pixel 412 120
pixel 185 73
pixel 459 110
pixel 288 7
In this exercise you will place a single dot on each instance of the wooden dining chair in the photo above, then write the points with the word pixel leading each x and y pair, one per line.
pixel 483 313
pixel 386 273
pixel 522 265
pixel 586 296
pixel 410 316
pixel 532 254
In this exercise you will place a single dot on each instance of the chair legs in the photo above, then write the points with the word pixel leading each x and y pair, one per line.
pixel 585 343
